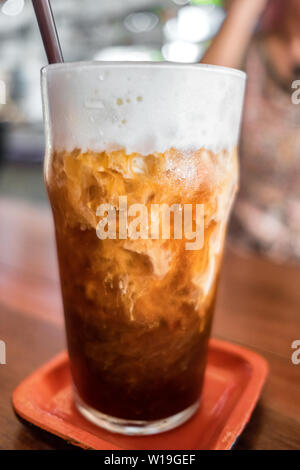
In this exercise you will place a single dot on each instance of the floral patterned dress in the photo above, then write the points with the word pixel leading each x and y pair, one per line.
pixel 267 213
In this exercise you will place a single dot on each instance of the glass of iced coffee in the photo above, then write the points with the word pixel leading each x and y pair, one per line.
pixel 141 170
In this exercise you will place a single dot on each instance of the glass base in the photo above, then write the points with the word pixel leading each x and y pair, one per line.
pixel 132 427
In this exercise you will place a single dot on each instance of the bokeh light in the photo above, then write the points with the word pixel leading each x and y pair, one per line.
pixel 12 7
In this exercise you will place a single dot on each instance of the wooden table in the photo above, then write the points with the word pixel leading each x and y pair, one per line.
pixel 258 307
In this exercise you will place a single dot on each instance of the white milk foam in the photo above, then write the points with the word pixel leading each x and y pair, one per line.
pixel 142 108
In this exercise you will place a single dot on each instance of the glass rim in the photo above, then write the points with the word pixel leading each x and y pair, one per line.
pixel 144 64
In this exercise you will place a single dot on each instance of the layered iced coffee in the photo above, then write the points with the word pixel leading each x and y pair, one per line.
pixel 139 293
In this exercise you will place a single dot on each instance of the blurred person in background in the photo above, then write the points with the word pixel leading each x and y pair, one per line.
pixel 267 214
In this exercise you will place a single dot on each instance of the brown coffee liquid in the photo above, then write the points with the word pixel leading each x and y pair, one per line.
pixel 132 371
pixel 138 312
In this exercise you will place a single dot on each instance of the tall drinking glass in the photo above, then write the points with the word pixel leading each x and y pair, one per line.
pixel 141 170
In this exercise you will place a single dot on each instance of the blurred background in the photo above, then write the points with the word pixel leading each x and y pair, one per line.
pixel 150 30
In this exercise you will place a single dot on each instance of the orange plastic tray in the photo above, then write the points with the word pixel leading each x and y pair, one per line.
pixel 233 382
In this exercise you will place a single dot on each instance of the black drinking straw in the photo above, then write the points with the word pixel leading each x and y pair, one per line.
pixel 48 30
